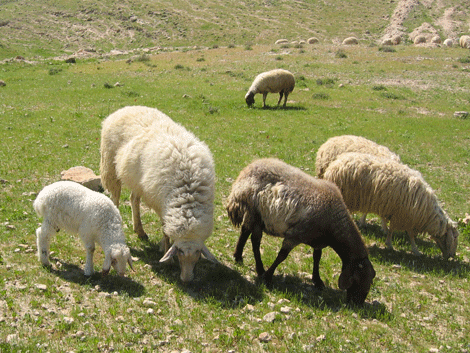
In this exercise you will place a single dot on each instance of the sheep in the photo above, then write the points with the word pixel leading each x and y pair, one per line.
pixel 170 170
pixel 396 193
pixel 464 42
pixel 76 209
pixel 274 81
pixel 281 200
pixel 338 145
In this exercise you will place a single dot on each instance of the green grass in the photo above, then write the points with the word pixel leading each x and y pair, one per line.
pixel 51 115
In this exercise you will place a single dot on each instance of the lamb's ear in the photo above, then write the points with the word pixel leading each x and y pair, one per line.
pixel 346 278
pixel 169 254
pixel 205 251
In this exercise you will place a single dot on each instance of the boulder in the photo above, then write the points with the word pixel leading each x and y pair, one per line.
pixel 83 176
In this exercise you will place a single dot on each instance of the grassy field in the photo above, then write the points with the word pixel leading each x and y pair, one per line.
pixel 405 98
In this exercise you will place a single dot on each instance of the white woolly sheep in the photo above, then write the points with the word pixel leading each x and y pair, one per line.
pixel 76 209
pixel 170 170
pixel 274 81
pixel 272 196
pixel 396 193
pixel 464 42
pixel 350 41
pixel 338 145
pixel 448 42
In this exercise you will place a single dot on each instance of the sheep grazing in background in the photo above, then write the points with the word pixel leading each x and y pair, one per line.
pixel 396 193
pixel 338 145
pixel 464 42
pixel 274 81
pixel 170 170
pixel 76 209
pixel 272 196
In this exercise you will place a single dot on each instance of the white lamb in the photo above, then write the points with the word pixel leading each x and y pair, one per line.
pixel 274 81
pixel 338 145
pixel 170 170
pixel 76 209
pixel 396 193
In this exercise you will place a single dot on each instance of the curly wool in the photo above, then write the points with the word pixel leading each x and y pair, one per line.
pixel 338 145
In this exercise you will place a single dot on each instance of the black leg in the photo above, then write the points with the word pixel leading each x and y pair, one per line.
pixel 256 242
pixel 280 97
pixel 317 282
pixel 244 234
pixel 286 248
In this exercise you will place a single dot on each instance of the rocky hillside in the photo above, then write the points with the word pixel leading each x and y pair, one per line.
pixel 49 28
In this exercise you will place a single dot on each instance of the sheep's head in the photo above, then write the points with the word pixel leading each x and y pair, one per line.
pixel 250 99
pixel 117 256
pixel 449 240
pixel 356 278
pixel 188 254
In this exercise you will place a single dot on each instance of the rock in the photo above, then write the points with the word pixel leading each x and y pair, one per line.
pixel 83 176
pixel 12 338
pixel 42 287
pixel 2 83
pixel 419 39
pixel 148 302
pixel 461 114
pixel 436 40
pixel 312 40
pixel 286 309
pixel 396 39
pixel 448 42
pixel 350 41
pixel 387 41
pixel 270 317
pixel 264 337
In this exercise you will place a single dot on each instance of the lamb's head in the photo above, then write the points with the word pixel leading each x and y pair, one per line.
pixel 250 98
pixel 448 241
pixel 118 256
pixel 188 252
pixel 356 278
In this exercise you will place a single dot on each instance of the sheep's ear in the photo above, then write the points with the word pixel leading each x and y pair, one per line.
pixel 205 251
pixel 346 278
pixel 169 254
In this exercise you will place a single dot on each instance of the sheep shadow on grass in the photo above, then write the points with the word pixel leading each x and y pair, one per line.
pixel 280 107
pixel 212 282
pixel 107 283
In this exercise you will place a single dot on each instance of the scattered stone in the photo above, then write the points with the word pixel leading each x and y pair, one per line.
pixel 419 39
pixel 461 115
pixel 12 338
pixel 118 84
pixel 148 302
pixel 84 176
pixel 68 320
pixel 436 40
pixel 150 311
pixel 249 307
pixel 350 41
pixel 42 287
pixel 264 337
pixel 286 310
pixel 270 317
pixel 2 83
pixel 466 220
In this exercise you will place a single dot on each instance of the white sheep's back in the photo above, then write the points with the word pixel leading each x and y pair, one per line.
pixel 338 145
pixel 272 81
pixel 389 189
pixel 70 206
pixel 173 172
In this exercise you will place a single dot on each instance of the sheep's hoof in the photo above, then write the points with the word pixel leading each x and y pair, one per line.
pixel 318 285
pixel 143 236
pixel 238 259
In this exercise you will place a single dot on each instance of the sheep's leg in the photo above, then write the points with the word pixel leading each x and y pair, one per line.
pixel 414 248
pixel 384 225
pixel 362 220
pixel 43 239
pixel 280 98
pixel 115 191
pixel 244 234
pixel 388 241
pixel 317 282
pixel 90 250
pixel 137 222
pixel 285 99
pixel 256 236
pixel 264 99
pixel 287 246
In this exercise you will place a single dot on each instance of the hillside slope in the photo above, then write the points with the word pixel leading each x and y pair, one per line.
pixel 50 28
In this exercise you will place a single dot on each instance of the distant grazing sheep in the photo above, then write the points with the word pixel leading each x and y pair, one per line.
pixel 170 170
pixel 464 42
pixel 350 41
pixel 312 40
pixel 274 81
pixel 448 42
pixel 419 39
pixel 396 193
pixel 76 209
pixel 272 196
pixel 338 145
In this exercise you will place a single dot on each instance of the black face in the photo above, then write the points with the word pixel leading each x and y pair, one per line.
pixel 250 100
pixel 361 280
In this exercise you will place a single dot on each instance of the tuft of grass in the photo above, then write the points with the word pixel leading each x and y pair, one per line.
pixel 340 54
pixel 321 96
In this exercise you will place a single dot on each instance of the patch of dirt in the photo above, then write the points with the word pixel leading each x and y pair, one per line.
pixel 446 21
